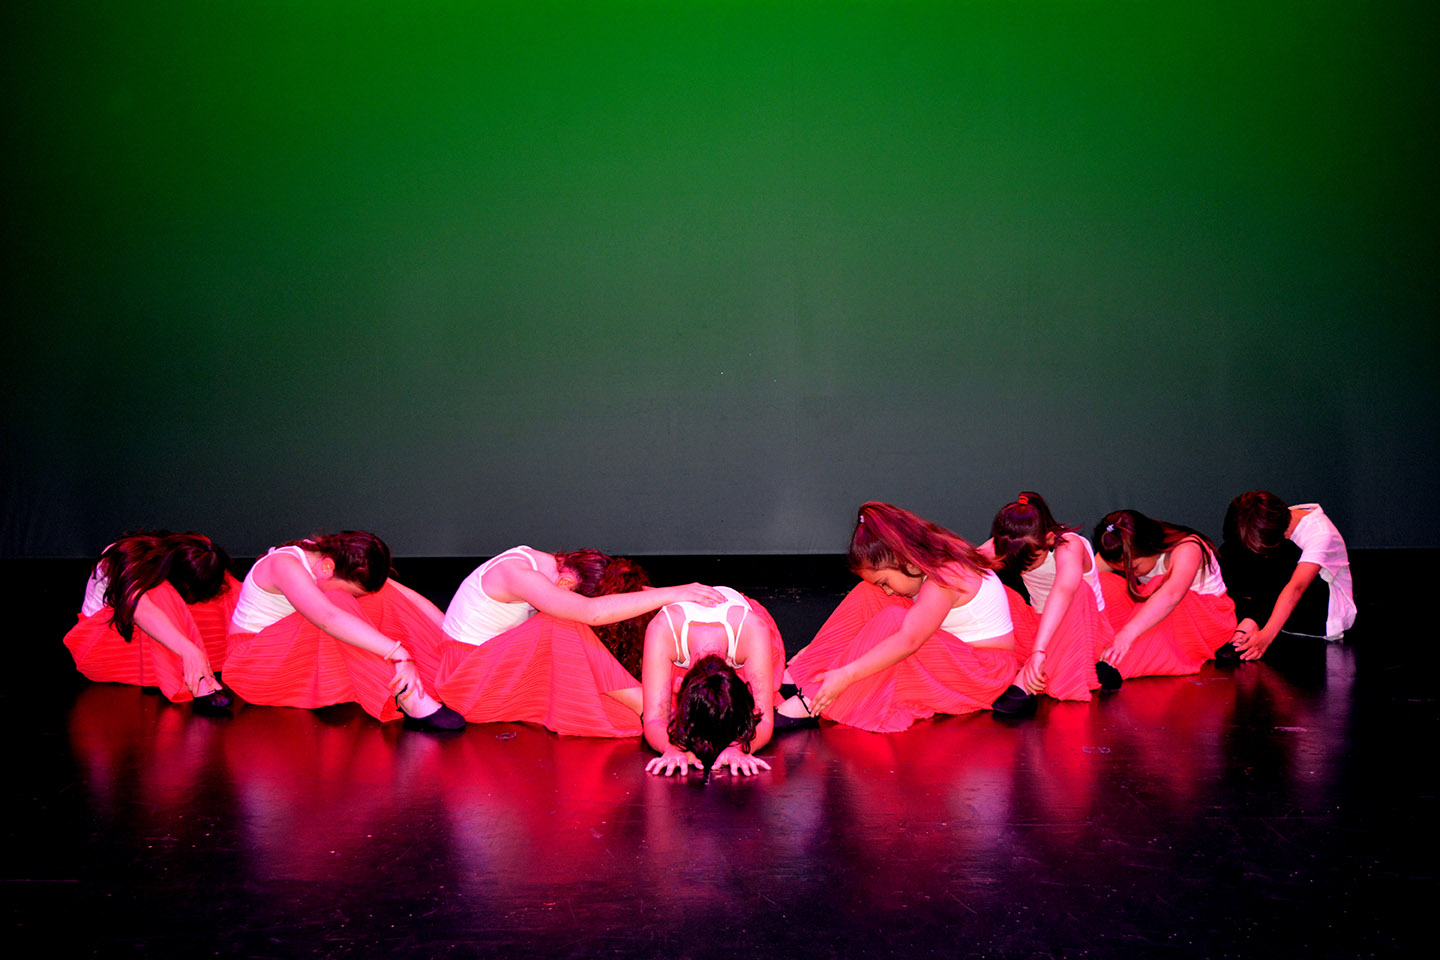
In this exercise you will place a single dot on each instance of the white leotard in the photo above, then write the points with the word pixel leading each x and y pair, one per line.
pixel 95 589
pixel 985 616
pixel 257 607
pixel 1207 578
pixel 1040 581
pixel 692 612
pixel 474 616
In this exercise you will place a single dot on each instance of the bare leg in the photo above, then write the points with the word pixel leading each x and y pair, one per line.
pixel 630 696
pixel 794 708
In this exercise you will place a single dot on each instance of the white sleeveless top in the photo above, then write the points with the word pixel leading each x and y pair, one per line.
pixel 985 617
pixel 95 589
pixel 1040 581
pixel 692 612
pixel 1207 579
pixel 474 616
pixel 257 608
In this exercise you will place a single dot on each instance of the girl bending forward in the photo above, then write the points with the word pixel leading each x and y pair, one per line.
pixel 1164 596
pixel 320 621
pixel 1061 630
pixel 553 639
pixel 927 630
pixel 155 614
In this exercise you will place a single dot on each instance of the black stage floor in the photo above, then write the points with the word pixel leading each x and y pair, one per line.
pixel 1279 809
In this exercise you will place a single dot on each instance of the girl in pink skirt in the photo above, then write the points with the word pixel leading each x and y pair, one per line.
pixel 553 639
pixel 1164 596
pixel 154 615
pixel 927 631
pixel 320 622
pixel 711 678
pixel 1060 629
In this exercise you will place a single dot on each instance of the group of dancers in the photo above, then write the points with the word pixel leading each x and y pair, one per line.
pixel 935 625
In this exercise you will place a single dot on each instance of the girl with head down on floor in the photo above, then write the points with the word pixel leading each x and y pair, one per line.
pixel 711 678
pixel 927 630
pixel 321 621
pixel 1164 596
pixel 155 614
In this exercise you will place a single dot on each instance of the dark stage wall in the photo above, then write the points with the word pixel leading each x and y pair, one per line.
pixel 701 277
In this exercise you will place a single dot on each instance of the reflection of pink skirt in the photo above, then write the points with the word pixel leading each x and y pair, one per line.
pixel 293 663
pixel 946 675
pixel 102 654
pixel 1073 648
pixel 1177 645
pixel 548 671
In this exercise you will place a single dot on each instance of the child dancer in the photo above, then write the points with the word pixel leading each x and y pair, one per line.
pixel 319 622
pixel 1059 634
pixel 524 649
pixel 710 679
pixel 1287 570
pixel 927 631
pixel 1164 596
pixel 155 612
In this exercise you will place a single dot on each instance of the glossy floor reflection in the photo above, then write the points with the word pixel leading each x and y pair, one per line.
pixel 1282 808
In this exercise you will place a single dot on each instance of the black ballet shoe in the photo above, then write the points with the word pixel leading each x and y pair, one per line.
pixel 783 722
pixel 441 720
pixel 1015 702
pixel 214 704
pixel 1110 679
pixel 1227 653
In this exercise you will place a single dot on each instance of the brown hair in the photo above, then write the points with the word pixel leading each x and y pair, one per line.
pixel 889 537
pixel 1124 535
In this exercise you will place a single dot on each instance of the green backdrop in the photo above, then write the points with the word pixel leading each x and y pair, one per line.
pixel 700 276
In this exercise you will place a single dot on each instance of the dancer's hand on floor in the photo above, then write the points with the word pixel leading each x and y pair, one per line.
pixel 674 761
pixel 740 763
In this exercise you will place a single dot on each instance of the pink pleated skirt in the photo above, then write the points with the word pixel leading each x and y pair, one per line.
pixel 1177 645
pixel 548 671
pixel 102 654
pixel 1074 647
pixel 946 675
pixel 293 663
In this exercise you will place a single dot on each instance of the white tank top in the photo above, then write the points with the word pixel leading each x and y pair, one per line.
pixel 94 593
pixel 474 616
pixel 1207 579
pixel 985 617
pixel 692 612
pixel 1040 581
pixel 256 607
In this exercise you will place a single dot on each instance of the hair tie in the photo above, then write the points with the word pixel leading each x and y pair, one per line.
pixel 862 518
pixel 1023 499
pixel 1109 528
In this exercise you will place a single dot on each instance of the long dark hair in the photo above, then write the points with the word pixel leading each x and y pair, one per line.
pixel 359 556
pixel 1124 535
pixel 1257 521
pixel 137 562
pixel 1023 530
pixel 889 537
pixel 598 575
pixel 713 709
